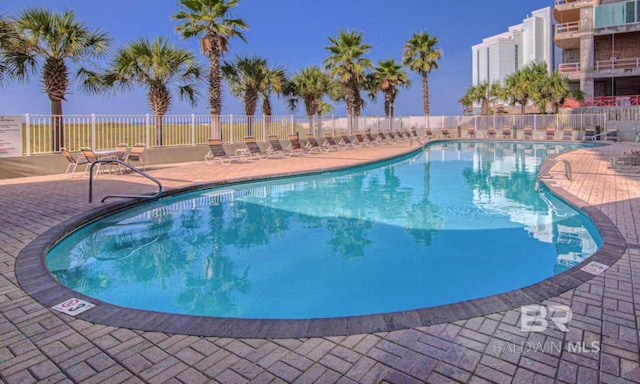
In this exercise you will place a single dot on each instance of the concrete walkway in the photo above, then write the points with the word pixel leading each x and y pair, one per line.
pixel 38 344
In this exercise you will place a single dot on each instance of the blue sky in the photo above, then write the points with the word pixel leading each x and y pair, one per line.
pixel 293 34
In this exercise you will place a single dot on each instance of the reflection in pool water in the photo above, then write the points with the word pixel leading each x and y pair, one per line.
pixel 450 223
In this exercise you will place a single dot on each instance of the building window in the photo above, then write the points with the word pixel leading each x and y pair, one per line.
pixel 478 66
pixel 515 59
pixel 488 65
pixel 614 14
pixel 630 13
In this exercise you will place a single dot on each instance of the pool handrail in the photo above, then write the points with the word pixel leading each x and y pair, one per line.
pixel 544 170
pixel 131 167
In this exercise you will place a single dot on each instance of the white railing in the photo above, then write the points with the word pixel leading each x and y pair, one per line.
pixel 573 26
pixel 567 2
pixel 569 67
pixel 629 63
pixel 106 131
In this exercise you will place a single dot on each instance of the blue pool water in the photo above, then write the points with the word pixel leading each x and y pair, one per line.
pixel 454 222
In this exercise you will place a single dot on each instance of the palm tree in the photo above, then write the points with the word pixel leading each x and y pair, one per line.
pixel 467 103
pixel 421 55
pixel 8 39
pixel 386 78
pixel 245 76
pixel 347 65
pixel 522 85
pixel 208 20
pixel 554 89
pixel 485 93
pixel 309 85
pixel 273 83
pixel 518 88
pixel 48 42
pixel 156 66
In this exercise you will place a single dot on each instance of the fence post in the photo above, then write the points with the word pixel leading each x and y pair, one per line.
pixel 147 128
pixel 27 119
pixel 93 130
pixel 264 128
pixel 193 130
pixel 231 128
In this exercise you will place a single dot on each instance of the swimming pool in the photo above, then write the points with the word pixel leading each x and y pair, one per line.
pixel 458 221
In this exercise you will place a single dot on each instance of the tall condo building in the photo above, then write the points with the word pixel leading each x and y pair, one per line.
pixel 600 43
pixel 501 55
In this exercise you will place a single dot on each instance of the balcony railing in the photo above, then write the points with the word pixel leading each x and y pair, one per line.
pixel 565 2
pixel 569 67
pixel 573 26
pixel 608 65
pixel 604 101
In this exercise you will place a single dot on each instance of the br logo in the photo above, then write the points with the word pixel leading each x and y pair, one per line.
pixel 535 318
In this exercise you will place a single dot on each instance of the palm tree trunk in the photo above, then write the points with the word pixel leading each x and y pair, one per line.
pixel 250 101
pixel 310 118
pixel 388 103
pixel 425 93
pixel 356 119
pixel 159 99
pixel 318 121
pixel 311 108
pixel 57 123
pixel 158 125
pixel 56 81
pixel 249 125
pixel 485 106
pixel 349 100
pixel 266 112
pixel 215 86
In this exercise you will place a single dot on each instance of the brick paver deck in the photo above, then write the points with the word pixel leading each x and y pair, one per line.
pixel 38 344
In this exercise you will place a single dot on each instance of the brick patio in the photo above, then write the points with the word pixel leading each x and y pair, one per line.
pixel 38 344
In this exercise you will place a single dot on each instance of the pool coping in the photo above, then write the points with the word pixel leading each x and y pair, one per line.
pixel 36 280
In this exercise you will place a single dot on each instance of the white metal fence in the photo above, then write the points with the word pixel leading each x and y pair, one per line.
pixel 106 131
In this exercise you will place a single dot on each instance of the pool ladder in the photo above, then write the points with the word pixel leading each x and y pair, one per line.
pixel 131 167
pixel 548 166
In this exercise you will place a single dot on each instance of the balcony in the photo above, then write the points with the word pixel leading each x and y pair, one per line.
pixel 573 26
pixel 604 101
pixel 569 67
pixel 631 65
pixel 569 10
pixel 567 35
pixel 573 2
